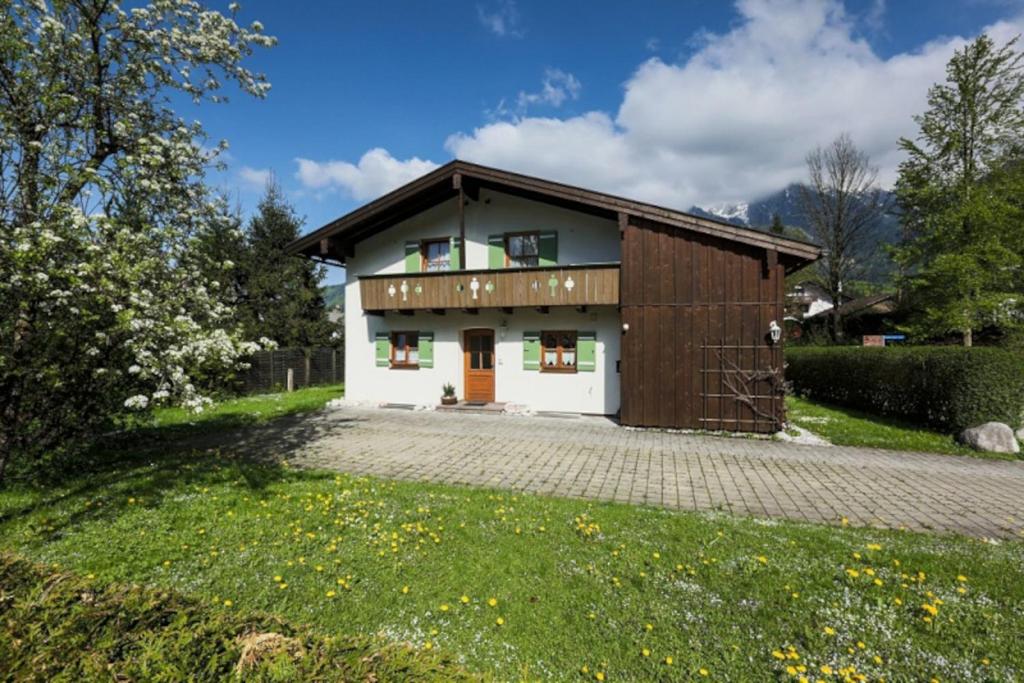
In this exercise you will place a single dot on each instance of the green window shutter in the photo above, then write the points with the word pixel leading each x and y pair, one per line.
pixel 453 254
pixel 412 257
pixel 548 250
pixel 426 349
pixel 383 344
pixel 586 351
pixel 495 251
pixel 531 350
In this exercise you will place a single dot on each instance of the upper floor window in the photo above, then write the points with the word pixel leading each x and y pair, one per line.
pixel 558 351
pixel 405 351
pixel 436 255
pixel 522 250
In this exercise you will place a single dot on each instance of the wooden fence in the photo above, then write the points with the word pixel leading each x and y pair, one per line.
pixel 310 367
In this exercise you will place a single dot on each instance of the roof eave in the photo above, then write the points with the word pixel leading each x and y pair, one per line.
pixel 801 250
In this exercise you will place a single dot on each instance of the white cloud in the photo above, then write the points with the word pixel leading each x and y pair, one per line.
pixel 556 87
pixel 502 20
pixel 376 173
pixel 732 122
pixel 254 178
pixel 736 119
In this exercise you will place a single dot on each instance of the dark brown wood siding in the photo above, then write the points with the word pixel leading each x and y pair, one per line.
pixel 697 353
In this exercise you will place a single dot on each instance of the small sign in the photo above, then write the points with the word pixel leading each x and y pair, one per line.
pixel 874 340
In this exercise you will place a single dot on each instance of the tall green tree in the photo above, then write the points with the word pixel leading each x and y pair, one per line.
pixel 281 297
pixel 102 199
pixel 959 193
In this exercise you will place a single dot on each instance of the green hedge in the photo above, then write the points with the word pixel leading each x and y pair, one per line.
pixel 55 626
pixel 947 388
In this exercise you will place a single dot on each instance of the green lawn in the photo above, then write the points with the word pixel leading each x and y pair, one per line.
pixel 850 427
pixel 578 588
pixel 243 411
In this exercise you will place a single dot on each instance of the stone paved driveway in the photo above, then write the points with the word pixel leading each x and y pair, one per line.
pixel 593 458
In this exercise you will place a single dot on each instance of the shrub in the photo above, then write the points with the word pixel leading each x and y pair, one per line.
pixel 947 388
pixel 58 626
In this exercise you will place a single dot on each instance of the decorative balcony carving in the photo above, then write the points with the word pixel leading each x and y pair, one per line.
pixel 594 284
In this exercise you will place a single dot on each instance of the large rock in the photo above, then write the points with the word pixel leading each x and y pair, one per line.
pixel 994 437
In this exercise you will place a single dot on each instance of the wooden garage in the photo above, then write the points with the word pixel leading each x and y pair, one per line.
pixel 698 311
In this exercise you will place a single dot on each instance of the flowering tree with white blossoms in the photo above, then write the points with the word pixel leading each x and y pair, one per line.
pixel 104 309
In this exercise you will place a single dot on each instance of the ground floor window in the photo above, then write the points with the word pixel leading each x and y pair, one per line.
pixel 405 351
pixel 558 351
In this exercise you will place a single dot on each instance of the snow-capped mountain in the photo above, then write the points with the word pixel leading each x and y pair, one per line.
pixel 786 204
pixel 733 213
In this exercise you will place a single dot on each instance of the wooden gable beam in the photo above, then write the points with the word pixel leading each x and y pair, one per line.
pixel 461 202
pixel 771 259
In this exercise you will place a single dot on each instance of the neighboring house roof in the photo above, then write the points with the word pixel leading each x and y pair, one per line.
pixel 447 181
pixel 876 303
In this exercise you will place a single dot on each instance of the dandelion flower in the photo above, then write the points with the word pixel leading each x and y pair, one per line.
pixel 499 621
pixel 405 589
pixel 444 607
pixel 464 599
pixel 228 603
pixel 493 602
pixel 645 652
pixel 331 594
pixel 668 661
pixel 703 672
pixel 829 631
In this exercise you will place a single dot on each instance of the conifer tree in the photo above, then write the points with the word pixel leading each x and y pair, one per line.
pixel 959 195
pixel 280 292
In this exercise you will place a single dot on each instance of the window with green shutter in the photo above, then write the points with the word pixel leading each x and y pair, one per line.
pixel 382 343
pixel 586 348
pixel 426 349
pixel 531 350
pixel 412 257
pixel 495 251
pixel 548 251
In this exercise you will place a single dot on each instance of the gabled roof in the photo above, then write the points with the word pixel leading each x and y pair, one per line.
pixel 443 183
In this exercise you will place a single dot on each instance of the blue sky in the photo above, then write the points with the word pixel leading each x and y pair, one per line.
pixel 680 103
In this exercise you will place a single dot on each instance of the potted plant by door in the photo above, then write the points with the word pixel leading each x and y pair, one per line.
pixel 448 395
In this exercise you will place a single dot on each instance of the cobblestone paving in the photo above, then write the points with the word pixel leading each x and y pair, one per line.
pixel 596 459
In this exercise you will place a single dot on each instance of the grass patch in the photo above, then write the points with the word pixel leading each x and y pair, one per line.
pixel 242 411
pixel 55 625
pixel 528 587
pixel 852 427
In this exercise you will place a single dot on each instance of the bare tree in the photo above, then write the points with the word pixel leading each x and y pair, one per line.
pixel 842 205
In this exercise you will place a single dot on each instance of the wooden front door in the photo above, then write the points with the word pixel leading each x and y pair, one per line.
pixel 478 349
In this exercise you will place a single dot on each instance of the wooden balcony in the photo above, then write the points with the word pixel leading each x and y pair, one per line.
pixel 595 284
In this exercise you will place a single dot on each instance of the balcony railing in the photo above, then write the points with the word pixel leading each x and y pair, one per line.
pixel 591 284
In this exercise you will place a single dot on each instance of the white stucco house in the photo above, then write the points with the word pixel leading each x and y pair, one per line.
pixel 536 296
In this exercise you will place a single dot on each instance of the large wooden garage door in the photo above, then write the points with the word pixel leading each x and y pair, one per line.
pixel 697 353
